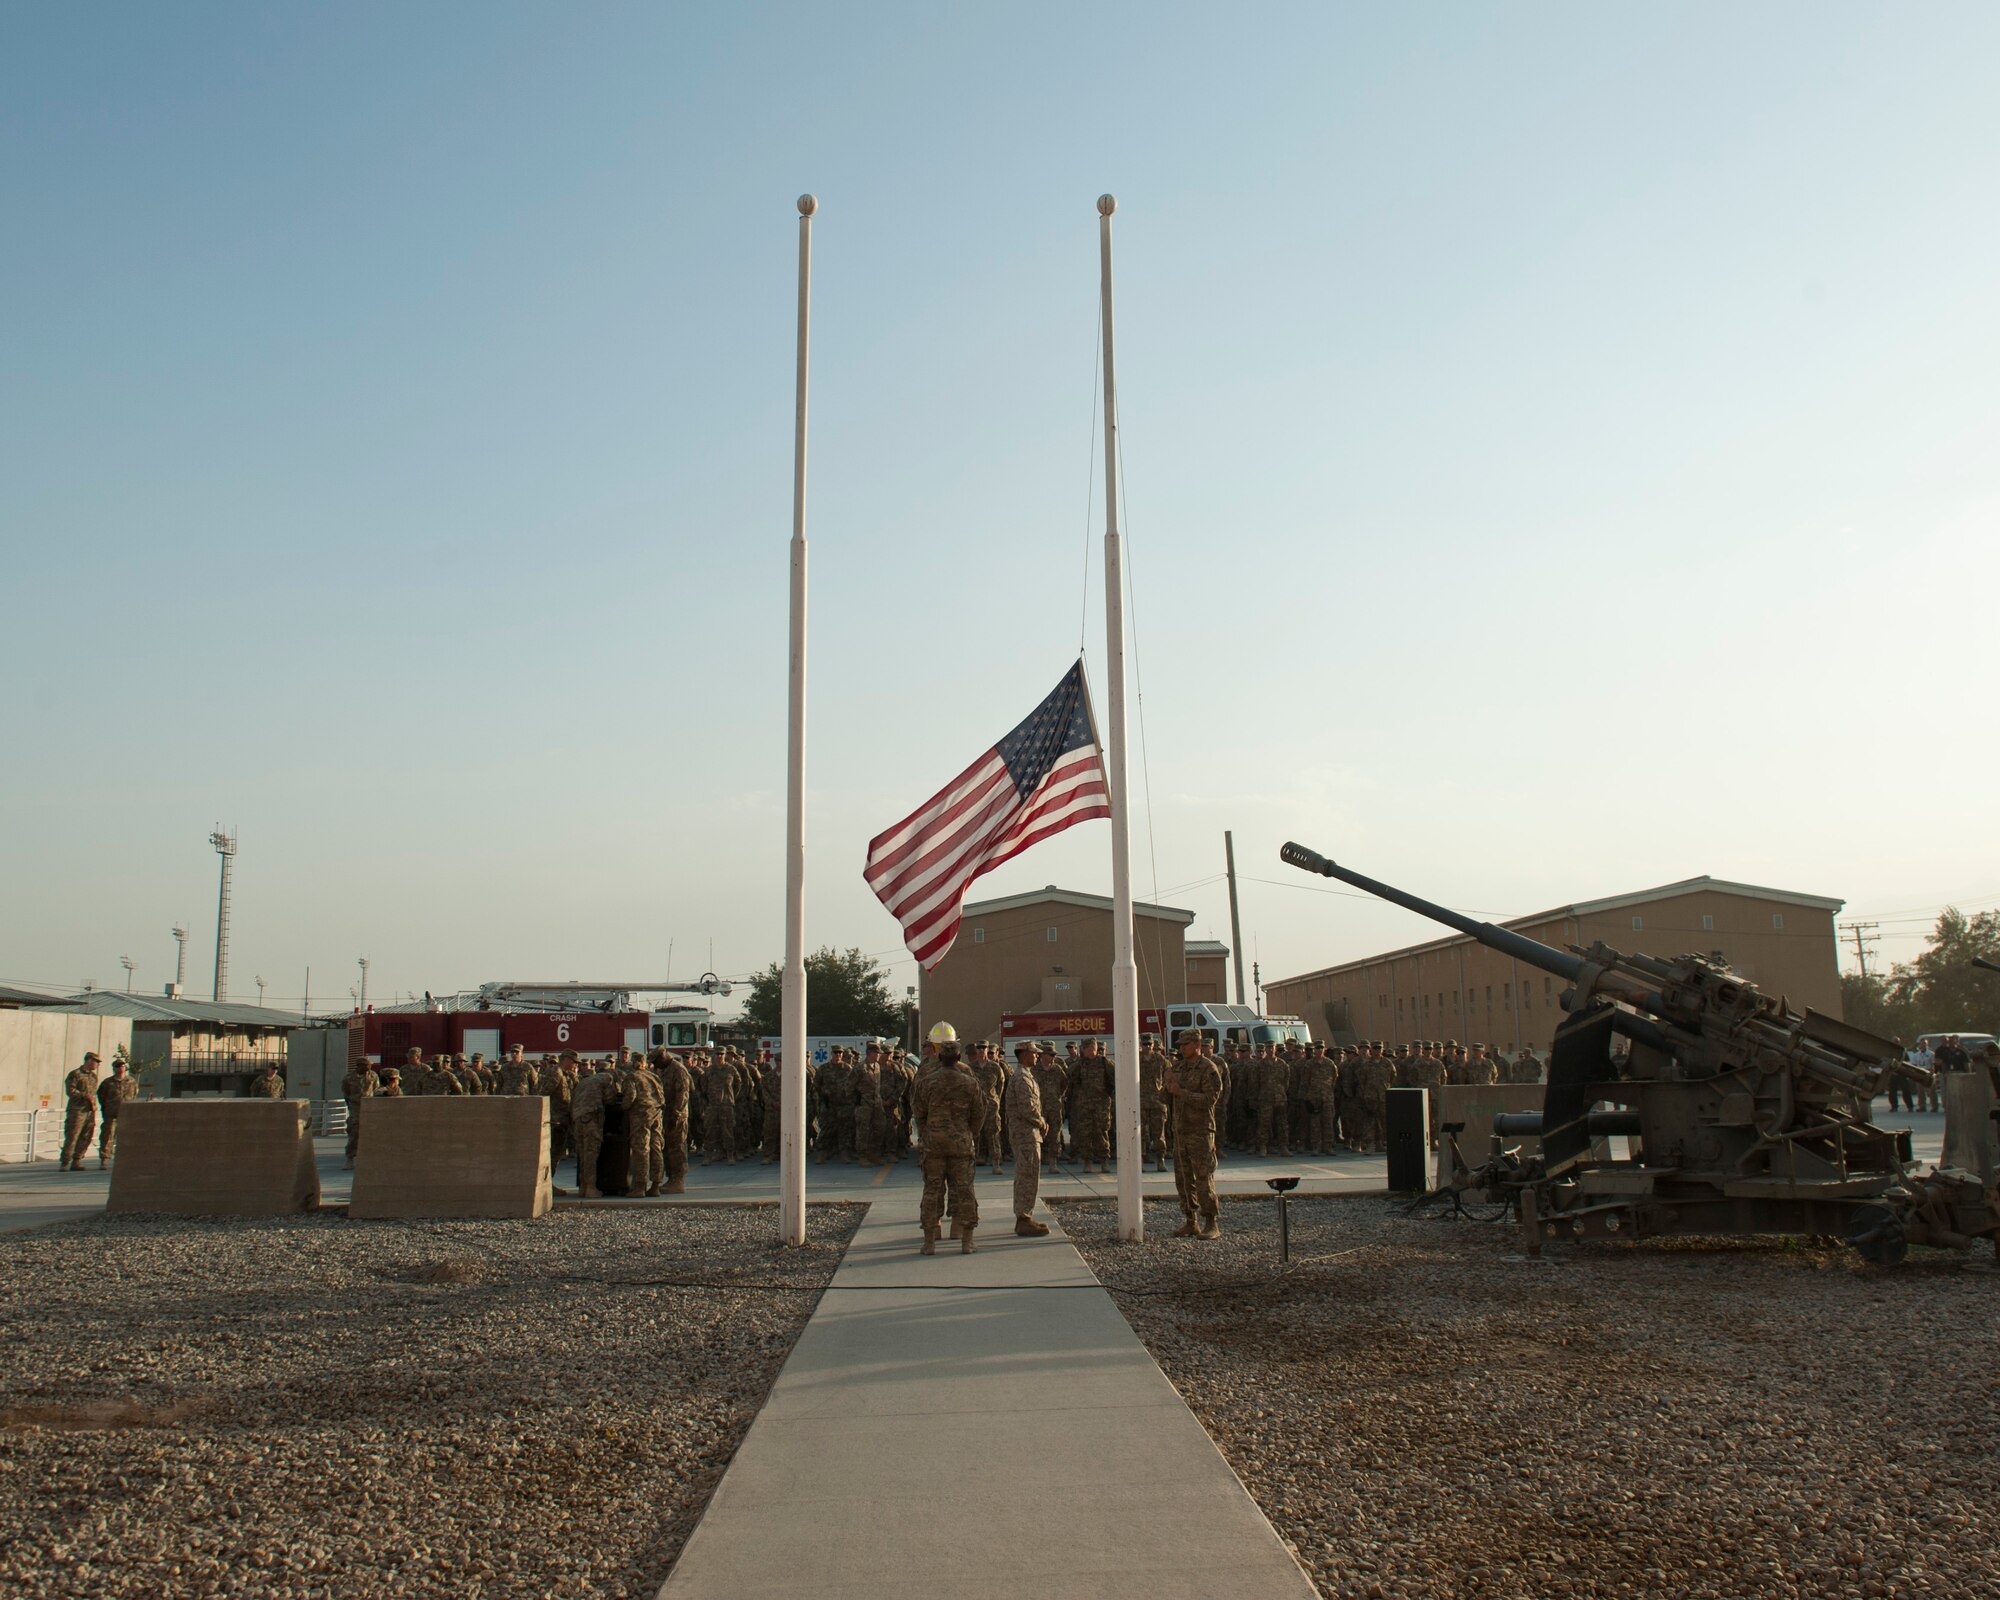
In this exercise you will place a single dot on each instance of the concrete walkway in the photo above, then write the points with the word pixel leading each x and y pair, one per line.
pixel 983 1425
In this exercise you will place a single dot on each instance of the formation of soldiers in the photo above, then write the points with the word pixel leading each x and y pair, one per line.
pixel 87 1103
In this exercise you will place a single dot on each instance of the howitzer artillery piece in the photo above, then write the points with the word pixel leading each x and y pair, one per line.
pixel 1745 1116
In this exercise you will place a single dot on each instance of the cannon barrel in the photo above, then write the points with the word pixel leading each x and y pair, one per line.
pixel 1989 966
pixel 1517 945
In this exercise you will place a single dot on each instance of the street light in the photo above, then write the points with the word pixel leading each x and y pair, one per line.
pixel 127 964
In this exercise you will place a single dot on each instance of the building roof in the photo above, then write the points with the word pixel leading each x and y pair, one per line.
pixel 29 997
pixel 1588 908
pixel 1071 897
pixel 151 1008
pixel 1204 947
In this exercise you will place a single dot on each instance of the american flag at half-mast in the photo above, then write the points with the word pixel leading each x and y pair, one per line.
pixel 1045 776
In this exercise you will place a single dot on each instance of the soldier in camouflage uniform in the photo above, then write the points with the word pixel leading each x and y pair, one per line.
pixel 517 1077
pixel 836 1106
pixel 1021 1105
pixel 112 1094
pixel 1153 1070
pixel 1236 1116
pixel 1268 1086
pixel 1315 1082
pixel 79 1112
pixel 865 1081
pixel 267 1085
pixel 644 1100
pixel 718 1110
pixel 676 1096
pixel 992 1076
pixel 1052 1079
pixel 1195 1083
pixel 950 1108
pixel 586 1119
pixel 771 1087
pixel 1524 1068
pixel 1090 1092
pixel 358 1085
pixel 895 1106
pixel 556 1085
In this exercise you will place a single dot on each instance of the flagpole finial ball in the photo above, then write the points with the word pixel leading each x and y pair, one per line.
pixel 807 205
pixel 1106 204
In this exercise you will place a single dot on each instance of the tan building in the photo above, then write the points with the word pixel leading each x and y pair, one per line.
pixel 1456 988
pixel 1050 950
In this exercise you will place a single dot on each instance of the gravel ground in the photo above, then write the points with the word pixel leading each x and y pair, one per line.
pixel 1715 1419
pixel 317 1407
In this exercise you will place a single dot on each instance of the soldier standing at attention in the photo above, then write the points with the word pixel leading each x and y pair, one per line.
pixel 1021 1104
pixel 391 1084
pixel 1052 1079
pixel 866 1083
pixel 676 1092
pixel 112 1094
pixel 1196 1085
pixel 517 1077
pixel 1315 1093
pixel 836 1106
pixel 79 1112
pixel 1272 1111
pixel 360 1084
pixel 1153 1069
pixel 645 1106
pixel 555 1084
pixel 718 1117
pixel 950 1108
pixel 1090 1106
pixel 267 1085
pixel 992 1076
pixel 771 1085
pixel 586 1117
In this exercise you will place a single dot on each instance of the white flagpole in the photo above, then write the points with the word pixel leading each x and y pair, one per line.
pixel 792 1096
pixel 1124 969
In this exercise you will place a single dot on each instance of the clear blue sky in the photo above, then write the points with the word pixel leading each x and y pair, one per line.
pixel 1561 454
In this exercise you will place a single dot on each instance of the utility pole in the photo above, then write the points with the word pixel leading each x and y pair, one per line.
pixel 1861 945
pixel 180 958
pixel 126 963
pixel 361 1001
pixel 1235 922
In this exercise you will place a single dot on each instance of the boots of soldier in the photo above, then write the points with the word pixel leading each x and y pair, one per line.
pixel 1029 1228
pixel 931 1238
pixel 964 1232
pixel 652 1191
pixel 1210 1228
pixel 1186 1229
pixel 678 1186
pixel 591 1192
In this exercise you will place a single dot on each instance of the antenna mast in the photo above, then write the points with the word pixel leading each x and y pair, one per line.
pixel 225 846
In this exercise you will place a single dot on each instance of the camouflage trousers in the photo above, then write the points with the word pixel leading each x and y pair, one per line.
pixel 718 1129
pixel 588 1134
pixel 1194 1177
pixel 1090 1127
pixel 948 1176
pixel 647 1153
pixel 989 1133
pixel 1026 1138
pixel 774 1128
pixel 1272 1118
pixel 1152 1129
pixel 353 1127
pixel 867 1131
pixel 107 1142
pixel 676 1152
pixel 1319 1134
pixel 79 1128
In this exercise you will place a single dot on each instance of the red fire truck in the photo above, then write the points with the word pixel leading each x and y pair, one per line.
pixel 388 1035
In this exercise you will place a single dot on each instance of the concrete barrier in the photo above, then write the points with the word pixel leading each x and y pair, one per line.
pixel 214 1158
pixel 1971 1141
pixel 453 1156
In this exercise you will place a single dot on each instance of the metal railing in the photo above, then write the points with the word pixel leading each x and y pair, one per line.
pixel 328 1118
pixel 30 1135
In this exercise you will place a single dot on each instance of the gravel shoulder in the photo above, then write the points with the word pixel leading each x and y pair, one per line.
pixel 1423 1414
pixel 309 1406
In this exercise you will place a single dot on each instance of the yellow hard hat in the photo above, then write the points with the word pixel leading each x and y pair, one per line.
pixel 944 1033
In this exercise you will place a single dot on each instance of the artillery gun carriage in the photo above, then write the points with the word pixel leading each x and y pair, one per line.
pixel 1743 1116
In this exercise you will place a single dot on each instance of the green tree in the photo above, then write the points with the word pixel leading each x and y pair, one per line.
pixel 846 993
pixel 1944 991
pixel 1869 1003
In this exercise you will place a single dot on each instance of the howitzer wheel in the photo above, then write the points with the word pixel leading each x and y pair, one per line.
pixel 1878 1233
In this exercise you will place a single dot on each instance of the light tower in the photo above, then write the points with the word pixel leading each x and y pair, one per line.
pixel 225 846
pixel 361 1003
pixel 127 964
pixel 180 961
pixel 260 989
